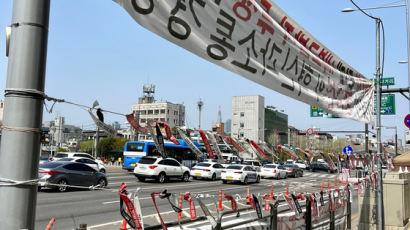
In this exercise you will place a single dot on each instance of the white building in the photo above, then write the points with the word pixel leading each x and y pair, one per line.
pixel 147 108
pixel 248 117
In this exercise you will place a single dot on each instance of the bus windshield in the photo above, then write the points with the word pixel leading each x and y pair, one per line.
pixel 135 147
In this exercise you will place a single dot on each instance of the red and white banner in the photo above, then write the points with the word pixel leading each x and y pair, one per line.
pixel 135 124
pixel 258 150
pixel 257 40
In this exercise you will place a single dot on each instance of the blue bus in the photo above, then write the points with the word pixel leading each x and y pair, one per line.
pixel 134 150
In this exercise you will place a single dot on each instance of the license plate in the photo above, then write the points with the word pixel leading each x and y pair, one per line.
pixel 229 178
pixel 132 164
pixel 197 174
pixel 143 167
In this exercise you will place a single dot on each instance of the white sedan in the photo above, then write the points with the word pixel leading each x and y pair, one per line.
pixel 273 171
pixel 240 173
pixel 207 170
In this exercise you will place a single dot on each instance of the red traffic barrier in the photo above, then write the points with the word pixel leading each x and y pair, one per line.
pixel 220 200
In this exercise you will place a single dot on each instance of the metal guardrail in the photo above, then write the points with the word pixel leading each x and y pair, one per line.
pixel 273 218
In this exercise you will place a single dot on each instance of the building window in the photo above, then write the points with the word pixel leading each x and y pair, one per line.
pixel 167 119
pixel 150 111
pixel 242 125
pixel 156 111
pixel 143 120
pixel 162 111
pixel 241 135
pixel 143 112
pixel 162 119
pixel 242 114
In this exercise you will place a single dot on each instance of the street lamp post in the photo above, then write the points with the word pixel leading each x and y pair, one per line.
pixel 407 33
pixel 380 206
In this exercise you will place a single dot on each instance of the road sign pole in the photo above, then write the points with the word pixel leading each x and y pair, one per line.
pixel 380 220
pixel 23 112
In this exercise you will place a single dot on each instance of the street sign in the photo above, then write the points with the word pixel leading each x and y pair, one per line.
pixel 348 150
pixel 316 112
pixel 309 131
pixel 385 81
pixel 388 104
pixel 407 121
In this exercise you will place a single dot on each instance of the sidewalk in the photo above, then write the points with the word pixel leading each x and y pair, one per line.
pixel 114 169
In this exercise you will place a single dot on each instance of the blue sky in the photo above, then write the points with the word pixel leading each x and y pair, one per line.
pixel 96 51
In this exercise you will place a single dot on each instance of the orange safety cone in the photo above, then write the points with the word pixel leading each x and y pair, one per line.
pixel 180 206
pixel 335 182
pixel 220 200
pixel 321 187
pixel 328 184
pixel 287 189
pixel 248 197
pixel 51 223
pixel 124 225
pixel 271 193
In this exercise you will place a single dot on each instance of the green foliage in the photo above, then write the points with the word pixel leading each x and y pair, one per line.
pixel 62 150
pixel 105 145
pixel 87 146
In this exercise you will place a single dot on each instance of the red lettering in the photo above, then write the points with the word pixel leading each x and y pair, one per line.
pixel 314 45
pixel 242 5
pixel 265 27
pixel 266 5
pixel 302 40
pixel 323 54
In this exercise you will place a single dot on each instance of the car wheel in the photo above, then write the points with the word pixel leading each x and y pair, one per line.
pixel 102 171
pixel 162 177
pixel 185 177
pixel 258 179
pixel 102 183
pixel 245 181
pixel 213 177
pixel 142 179
pixel 224 181
pixel 62 185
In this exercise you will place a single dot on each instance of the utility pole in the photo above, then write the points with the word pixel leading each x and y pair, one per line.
pixel 97 139
pixel 366 138
pixel 380 209
pixel 23 110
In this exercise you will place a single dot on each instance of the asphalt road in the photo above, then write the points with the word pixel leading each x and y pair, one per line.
pixel 100 209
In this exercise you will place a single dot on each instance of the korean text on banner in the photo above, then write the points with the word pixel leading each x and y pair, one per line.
pixel 257 40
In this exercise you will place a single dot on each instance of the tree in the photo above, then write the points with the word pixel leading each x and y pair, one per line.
pixel 87 146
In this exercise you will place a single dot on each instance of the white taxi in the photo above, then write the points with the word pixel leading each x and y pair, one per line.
pixel 207 170
pixel 240 173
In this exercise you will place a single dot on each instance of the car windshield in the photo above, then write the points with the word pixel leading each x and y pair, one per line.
pixel 66 159
pixel 61 155
pixel 50 165
pixel 270 166
pixel 203 164
pixel 234 167
pixel 147 161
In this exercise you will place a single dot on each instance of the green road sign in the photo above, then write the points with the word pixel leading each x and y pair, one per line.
pixel 385 81
pixel 388 104
pixel 316 112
